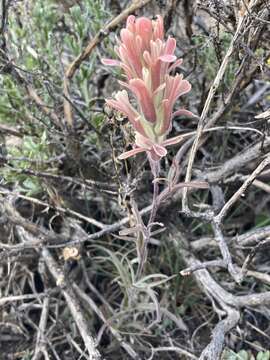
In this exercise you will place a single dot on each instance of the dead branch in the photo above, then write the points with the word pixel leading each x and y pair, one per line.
pixel 73 304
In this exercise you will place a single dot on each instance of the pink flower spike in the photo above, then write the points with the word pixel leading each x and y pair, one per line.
pixel 147 60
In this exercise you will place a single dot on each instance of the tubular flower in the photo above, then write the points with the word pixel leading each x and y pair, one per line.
pixel 147 60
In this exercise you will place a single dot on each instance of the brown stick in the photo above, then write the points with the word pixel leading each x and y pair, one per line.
pixel 242 189
pixel 73 304
pixel 207 104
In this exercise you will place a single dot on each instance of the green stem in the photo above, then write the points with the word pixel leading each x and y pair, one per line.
pixel 155 168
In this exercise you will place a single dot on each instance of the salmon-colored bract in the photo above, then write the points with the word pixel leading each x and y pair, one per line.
pixel 147 61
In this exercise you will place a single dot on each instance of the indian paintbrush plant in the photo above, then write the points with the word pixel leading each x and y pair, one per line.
pixel 147 61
